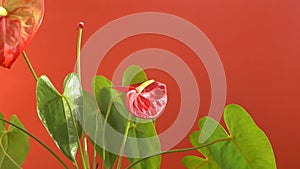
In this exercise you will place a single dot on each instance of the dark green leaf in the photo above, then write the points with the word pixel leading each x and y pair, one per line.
pixel 111 109
pixel 94 126
pixel 14 145
pixel 247 148
pixel 141 147
pixel 54 110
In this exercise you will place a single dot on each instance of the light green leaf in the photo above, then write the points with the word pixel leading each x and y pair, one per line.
pixel 55 111
pixel 14 145
pixel 194 162
pixel 133 75
pixel 247 148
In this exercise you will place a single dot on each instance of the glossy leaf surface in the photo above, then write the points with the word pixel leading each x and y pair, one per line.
pixel 55 111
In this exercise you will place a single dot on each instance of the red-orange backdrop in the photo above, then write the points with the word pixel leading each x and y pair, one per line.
pixel 258 43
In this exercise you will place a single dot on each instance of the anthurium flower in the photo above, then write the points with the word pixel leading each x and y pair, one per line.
pixel 19 21
pixel 147 100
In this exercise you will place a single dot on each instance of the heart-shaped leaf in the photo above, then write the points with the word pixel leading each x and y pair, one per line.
pixel 18 24
pixel 14 144
pixel 56 110
pixel 247 147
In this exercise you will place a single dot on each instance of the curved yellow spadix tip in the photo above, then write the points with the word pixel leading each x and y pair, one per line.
pixel 3 11
pixel 144 85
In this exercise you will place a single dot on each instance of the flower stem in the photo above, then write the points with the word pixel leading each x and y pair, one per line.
pixel 104 127
pixel 95 141
pixel 37 140
pixel 29 65
pixel 76 133
pixel 123 145
pixel 179 150
pixel 76 165
pixel 80 30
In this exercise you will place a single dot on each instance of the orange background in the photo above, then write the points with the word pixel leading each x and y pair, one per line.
pixel 258 43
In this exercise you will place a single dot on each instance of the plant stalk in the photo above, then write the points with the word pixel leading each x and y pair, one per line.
pixel 37 140
pixel 76 132
pixel 179 150
pixel 29 65
pixel 123 145
pixel 79 40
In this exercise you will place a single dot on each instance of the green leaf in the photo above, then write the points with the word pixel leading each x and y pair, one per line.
pixel 247 148
pixel 142 147
pixel 94 125
pixel 142 128
pixel 14 145
pixel 194 162
pixel 55 111
pixel 133 75
pixel 73 94
pixel 107 97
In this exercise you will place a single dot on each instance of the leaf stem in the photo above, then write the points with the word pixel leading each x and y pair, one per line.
pixel 29 65
pixel 179 150
pixel 37 140
pixel 123 145
pixel 76 133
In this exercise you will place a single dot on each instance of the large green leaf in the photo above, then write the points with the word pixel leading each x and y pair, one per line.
pixel 107 97
pixel 55 111
pixel 14 144
pixel 94 126
pixel 141 129
pixel 247 146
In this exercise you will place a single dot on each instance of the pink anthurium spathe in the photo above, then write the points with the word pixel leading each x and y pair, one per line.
pixel 19 21
pixel 147 100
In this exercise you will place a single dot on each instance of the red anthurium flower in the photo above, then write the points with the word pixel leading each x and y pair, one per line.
pixel 19 21
pixel 148 100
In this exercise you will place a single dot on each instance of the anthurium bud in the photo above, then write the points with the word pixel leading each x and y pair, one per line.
pixel 147 100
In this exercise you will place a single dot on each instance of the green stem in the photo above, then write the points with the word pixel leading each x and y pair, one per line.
pixel 80 30
pixel 76 165
pixel 104 126
pixel 37 140
pixel 95 159
pixel 95 141
pixel 76 132
pixel 179 150
pixel 123 145
pixel 29 65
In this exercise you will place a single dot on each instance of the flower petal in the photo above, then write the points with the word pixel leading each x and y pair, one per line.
pixel 149 103
pixel 18 27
